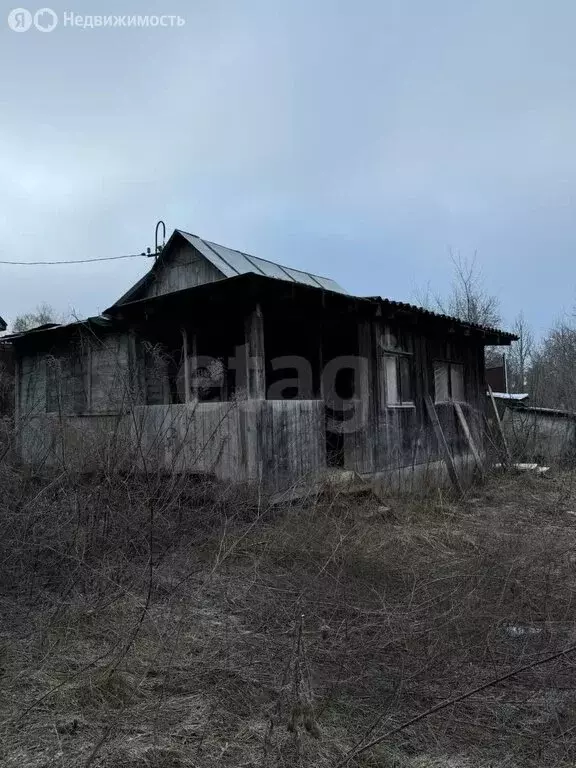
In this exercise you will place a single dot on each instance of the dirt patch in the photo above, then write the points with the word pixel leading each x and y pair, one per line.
pixel 206 632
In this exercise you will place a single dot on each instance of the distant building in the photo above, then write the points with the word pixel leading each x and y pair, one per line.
pixel 497 374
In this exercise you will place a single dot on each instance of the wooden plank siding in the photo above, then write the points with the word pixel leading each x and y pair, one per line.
pixel 279 441
pixel 394 436
pixel 122 396
pixel 85 375
pixel 186 268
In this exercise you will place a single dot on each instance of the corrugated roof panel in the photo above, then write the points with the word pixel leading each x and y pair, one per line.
pixel 231 262
pixel 302 277
pixel 235 259
pixel 329 284
pixel 270 269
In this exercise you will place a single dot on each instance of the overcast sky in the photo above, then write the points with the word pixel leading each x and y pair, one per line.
pixel 360 140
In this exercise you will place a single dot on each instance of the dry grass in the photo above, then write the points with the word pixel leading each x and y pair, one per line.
pixel 154 623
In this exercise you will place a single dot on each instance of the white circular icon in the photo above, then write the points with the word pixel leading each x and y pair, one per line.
pixel 20 20
pixel 45 20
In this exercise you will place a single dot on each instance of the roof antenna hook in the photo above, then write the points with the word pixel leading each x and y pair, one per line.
pixel 158 248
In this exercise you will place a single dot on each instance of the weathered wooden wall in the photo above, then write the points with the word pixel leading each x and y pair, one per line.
pixel 97 368
pixel 274 442
pixel 7 372
pixel 393 436
pixel 185 269
pixel 68 413
pixel 98 405
pixel 76 443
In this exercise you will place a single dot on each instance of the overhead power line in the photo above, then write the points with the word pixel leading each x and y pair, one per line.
pixel 72 261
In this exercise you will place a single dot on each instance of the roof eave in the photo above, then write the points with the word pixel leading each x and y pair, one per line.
pixel 98 321
pixel 384 307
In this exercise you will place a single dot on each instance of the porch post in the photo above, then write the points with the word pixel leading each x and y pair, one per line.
pixel 17 388
pixel 190 362
pixel 366 436
pixel 193 367
pixel 186 365
pixel 255 360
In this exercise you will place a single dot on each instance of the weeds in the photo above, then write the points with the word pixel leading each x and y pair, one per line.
pixel 181 642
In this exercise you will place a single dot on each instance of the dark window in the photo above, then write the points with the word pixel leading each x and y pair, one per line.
pixel 448 382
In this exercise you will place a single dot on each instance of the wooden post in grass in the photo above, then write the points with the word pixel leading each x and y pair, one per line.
pixel 448 460
pixel 507 454
pixel 468 435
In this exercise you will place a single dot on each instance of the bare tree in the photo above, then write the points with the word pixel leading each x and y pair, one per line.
pixel 468 299
pixel 43 314
pixel 520 355
pixel 553 371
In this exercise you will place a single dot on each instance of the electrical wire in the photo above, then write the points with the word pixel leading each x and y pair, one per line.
pixel 73 261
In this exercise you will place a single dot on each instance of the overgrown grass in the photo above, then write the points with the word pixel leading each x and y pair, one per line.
pixel 148 621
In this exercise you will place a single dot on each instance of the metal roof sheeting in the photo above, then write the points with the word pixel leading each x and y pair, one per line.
pixel 423 311
pixel 98 321
pixel 232 263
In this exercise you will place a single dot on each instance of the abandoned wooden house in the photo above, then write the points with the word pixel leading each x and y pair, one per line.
pixel 220 362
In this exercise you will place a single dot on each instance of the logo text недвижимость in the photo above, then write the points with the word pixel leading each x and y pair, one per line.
pixel 46 20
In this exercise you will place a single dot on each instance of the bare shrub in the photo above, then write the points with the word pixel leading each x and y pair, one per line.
pixel 165 620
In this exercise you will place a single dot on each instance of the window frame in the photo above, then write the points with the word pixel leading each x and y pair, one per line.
pixel 396 345
pixel 450 366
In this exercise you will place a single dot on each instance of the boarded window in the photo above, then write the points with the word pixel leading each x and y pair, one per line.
pixel 448 382
pixel 67 381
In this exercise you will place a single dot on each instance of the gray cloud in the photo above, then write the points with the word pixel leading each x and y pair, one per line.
pixel 358 140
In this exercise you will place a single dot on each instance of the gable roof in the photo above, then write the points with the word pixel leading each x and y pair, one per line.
pixel 3 324
pixel 231 263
